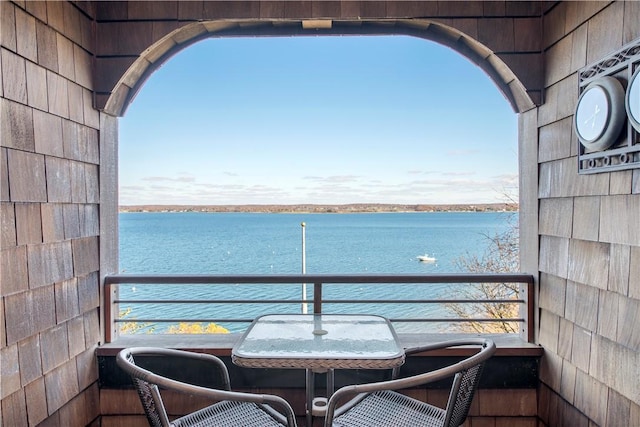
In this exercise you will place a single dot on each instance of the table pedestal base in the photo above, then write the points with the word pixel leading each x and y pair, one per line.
pixel 317 406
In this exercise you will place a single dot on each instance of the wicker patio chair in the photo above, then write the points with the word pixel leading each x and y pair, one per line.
pixel 377 404
pixel 232 409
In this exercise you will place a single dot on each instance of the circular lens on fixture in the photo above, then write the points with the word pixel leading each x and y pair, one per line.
pixel 632 100
pixel 599 114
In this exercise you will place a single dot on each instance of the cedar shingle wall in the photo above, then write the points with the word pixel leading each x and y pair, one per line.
pixel 49 198
pixel 589 256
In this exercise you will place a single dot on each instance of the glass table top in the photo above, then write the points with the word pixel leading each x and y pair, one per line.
pixel 319 341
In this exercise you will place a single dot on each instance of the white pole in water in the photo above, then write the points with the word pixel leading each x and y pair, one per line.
pixel 304 270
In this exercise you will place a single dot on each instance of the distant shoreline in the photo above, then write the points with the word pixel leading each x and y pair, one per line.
pixel 326 208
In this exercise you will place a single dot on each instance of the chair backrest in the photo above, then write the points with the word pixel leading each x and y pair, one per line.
pixel 149 394
pixel 466 376
pixel 462 392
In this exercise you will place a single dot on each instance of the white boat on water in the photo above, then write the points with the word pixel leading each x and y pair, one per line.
pixel 426 258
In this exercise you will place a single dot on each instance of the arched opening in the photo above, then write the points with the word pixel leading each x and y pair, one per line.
pixel 308 138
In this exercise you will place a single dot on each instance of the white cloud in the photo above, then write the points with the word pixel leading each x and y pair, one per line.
pixel 449 187
pixel 169 179
pixel 458 173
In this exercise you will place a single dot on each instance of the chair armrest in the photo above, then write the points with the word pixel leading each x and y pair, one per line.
pixel 439 346
pixel 447 344
pixel 215 364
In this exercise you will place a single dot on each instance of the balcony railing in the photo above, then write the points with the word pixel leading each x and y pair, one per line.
pixel 141 291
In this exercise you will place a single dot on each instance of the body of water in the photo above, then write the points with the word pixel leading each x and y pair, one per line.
pixel 259 243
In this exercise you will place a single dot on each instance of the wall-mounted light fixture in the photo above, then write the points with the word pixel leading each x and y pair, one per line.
pixel 609 139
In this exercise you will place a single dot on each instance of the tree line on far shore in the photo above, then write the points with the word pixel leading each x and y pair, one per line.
pixel 312 208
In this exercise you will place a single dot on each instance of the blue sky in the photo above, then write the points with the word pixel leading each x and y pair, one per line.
pixel 384 119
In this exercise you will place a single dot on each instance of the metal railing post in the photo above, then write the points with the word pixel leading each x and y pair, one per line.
pixel 110 312
pixel 317 298
pixel 304 269
pixel 530 312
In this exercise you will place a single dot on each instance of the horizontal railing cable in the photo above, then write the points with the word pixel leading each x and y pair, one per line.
pixel 398 320
pixel 324 301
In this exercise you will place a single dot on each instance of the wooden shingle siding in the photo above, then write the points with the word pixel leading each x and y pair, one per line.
pixel 17 309
pixel 47 40
pixel 50 194
pixel 619 269
pixel 631 23
pixel 556 217
pixel 10 379
pixel 43 309
pixel 27 176
pixel 56 341
pixel 37 86
pixel 619 220
pixel 549 330
pixel 590 397
pixel 7 220
pixel 66 298
pixel 634 273
pixel 57 88
pixel 52 222
pixel 608 309
pixel 58 179
pixel 560 179
pixel 554 255
pixel 620 182
pixel 17 125
pixel 586 218
pixel 603 38
pixel 551 144
pixel 552 294
pixel 628 317
pixel 565 343
pixel 61 385
pixel 589 263
pixel 597 343
pixel 8 28
pixel 66 66
pixel 579 307
pixel 14 269
pixel 88 292
pixel 36 401
pixel 76 109
pixel 28 224
pixel 71 218
pixel 48 133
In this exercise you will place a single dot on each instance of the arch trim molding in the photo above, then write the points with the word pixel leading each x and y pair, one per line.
pixel 518 75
